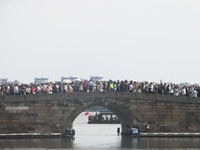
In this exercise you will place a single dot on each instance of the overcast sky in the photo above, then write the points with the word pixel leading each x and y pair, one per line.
pixel 140 40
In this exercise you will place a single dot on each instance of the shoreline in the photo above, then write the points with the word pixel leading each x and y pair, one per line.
pixel 29 135
pixel 166 134
pixel 59 135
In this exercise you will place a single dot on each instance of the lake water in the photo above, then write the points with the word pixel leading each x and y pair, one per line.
pixel 99 137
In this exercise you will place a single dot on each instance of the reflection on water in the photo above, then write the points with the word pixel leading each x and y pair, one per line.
pixel 159 143
pixel 119 143
pixel 37 143
pixel 91 136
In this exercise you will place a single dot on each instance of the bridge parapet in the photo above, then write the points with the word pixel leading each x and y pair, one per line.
pixel 93 95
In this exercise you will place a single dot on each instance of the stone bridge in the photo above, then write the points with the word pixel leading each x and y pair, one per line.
pixel 54 113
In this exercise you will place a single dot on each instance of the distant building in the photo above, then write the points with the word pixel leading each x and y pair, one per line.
pixel 3 81
pixel 96 78
pixel 41 81
pixel 70 78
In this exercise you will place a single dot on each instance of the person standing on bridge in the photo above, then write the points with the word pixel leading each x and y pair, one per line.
pixel 122 86
pixel 183 91
pixel 90 85
pixel 130 86
pixel 100 87
pixel 111 86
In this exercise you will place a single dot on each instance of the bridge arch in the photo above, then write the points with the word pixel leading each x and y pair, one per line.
pixel 121 110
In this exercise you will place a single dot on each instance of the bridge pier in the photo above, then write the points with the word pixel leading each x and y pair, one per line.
pixel 69 133
pixel 67 130
pixel 126 129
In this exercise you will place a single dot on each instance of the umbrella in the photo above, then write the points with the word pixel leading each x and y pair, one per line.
pixel 77 80
pixel 67 81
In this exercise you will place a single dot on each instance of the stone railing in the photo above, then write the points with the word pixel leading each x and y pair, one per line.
pixel 104 95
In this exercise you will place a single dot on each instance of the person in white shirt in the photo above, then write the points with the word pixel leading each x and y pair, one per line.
pixel 195 93
pixel 16 90
pixel 183 91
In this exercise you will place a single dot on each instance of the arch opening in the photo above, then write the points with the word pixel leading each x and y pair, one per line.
pixel 118 110
pixel 84 127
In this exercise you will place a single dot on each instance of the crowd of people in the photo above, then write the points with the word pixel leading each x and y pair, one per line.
pixel 101 86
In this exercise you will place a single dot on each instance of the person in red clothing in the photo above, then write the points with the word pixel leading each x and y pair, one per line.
pixel 33 90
